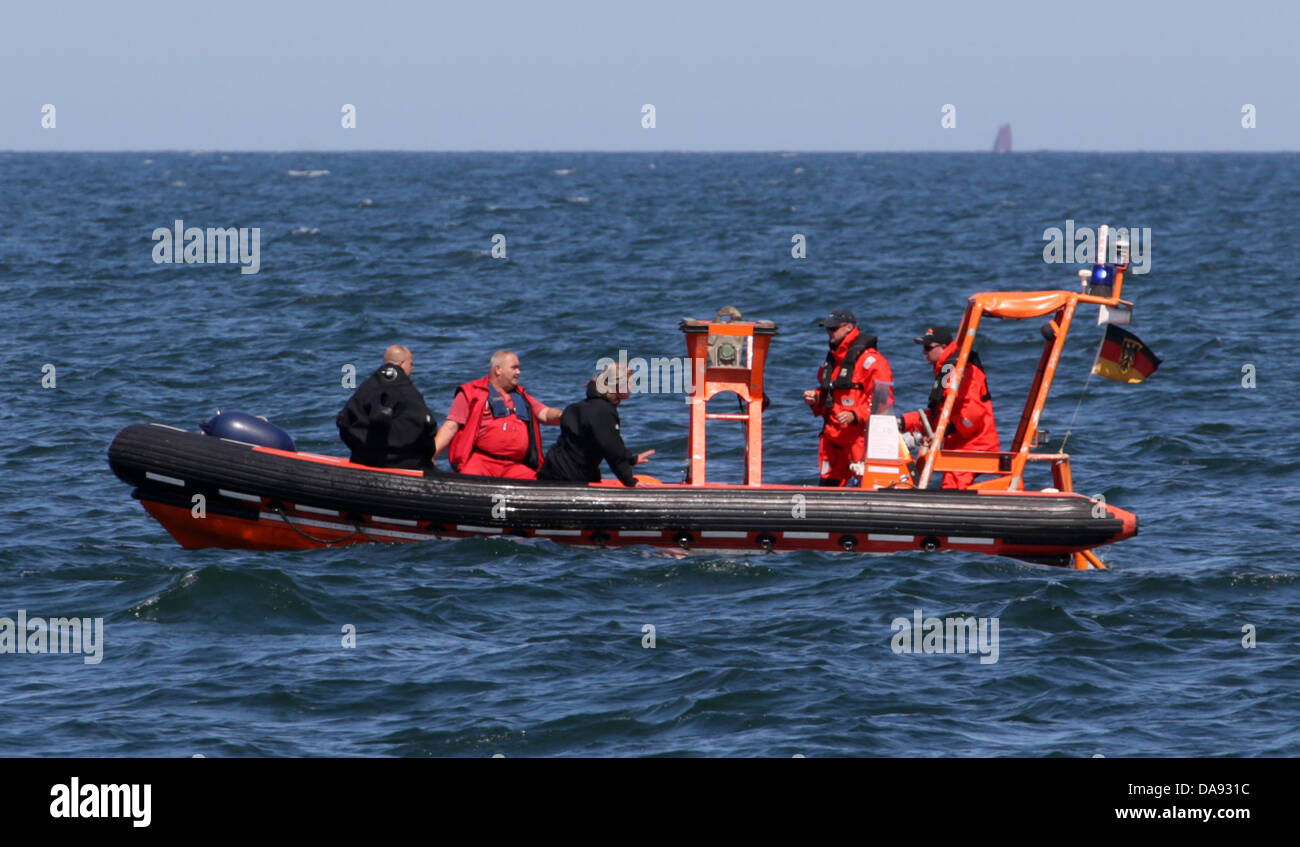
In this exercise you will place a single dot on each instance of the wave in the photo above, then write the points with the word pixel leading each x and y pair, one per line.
pixel 233 598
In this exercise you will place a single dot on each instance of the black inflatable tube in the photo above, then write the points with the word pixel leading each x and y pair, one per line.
pixel 206 464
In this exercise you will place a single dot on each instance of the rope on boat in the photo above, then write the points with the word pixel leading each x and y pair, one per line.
pixel 356 530
pixel 1077 406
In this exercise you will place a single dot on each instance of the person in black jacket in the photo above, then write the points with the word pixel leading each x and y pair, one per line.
pixel 589 432
pixel 386 423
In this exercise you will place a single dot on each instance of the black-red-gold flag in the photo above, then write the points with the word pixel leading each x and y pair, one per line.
pixel 1123 357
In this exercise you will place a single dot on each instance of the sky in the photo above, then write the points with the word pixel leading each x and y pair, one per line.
pixel 561 75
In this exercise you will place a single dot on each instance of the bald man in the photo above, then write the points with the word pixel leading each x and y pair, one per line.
pixel 494 426
pixel 386 423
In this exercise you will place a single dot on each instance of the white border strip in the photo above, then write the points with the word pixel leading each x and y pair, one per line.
pixel 493 530
pixel 880 536
pixel 170 480
pixel 881 469
pixel 808 535
pixel 272 516
pixel 300 507
pixel 318 456
pixel 398 521
pixel 387 533
pixel 723 534
pixel 235 495
pixel 640 533
pixel 392 533
pixel 954 539
pixel 558 532
pixel 169 426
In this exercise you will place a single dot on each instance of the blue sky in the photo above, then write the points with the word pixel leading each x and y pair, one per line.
pixel 722 76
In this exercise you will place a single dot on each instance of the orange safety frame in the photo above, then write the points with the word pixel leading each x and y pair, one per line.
pixel 1008 467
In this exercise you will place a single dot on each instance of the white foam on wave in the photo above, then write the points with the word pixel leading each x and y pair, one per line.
pixel 306 230
pixel 309 174
pixel 578 200
pixel 563 171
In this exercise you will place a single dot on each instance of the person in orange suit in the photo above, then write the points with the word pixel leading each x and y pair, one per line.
pixel 972 426
pixel 843 399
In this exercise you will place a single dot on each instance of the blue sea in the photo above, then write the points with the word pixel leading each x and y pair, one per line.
pixel 1186 646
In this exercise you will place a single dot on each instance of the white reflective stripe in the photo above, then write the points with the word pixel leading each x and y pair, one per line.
pixel 387 533
pixel 817 535
pixel 322 456
pixel 953 539
pixel 235 495
pixel 881 469
pixel 341 527
pixel 880 536
pixel 558 532
pixel 170 480
pixel 721 534
pixel 169 426
pixel 393 533
pixel 467 528
pixel 234 441
pixel 317 511
pixel 398 521
pixel 640 533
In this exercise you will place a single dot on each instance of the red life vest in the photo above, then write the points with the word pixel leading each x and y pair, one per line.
pixel 480 393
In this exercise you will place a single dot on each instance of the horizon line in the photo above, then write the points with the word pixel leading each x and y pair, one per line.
pixel 774 150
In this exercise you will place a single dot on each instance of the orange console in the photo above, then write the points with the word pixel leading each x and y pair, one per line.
pixel 727 355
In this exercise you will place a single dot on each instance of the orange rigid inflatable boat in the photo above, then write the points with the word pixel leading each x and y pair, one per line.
pixel 217 492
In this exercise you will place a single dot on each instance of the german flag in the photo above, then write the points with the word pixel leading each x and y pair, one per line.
pixel 1123 357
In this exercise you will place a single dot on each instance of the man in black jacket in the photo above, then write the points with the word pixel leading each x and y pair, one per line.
pixel 386 423
pixel 589 432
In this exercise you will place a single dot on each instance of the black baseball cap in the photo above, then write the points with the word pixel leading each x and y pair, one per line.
pixel 837 317
pixel 934 335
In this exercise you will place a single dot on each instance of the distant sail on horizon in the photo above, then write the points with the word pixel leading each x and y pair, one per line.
pixel 1003 142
